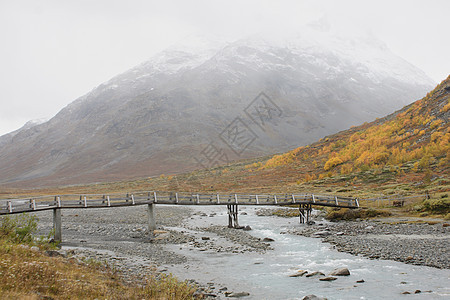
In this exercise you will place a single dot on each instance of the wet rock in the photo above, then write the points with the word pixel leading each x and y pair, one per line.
pixel 360 281
pixel 313 297
pixel 417 291
pixel 406 293
pixel 317 273
pixel 237 295
pixel 205 238
pixel 328 278
pixel 321 233
pixel 299 273
pixel 247 228
pixel 266 239
pixel 340 272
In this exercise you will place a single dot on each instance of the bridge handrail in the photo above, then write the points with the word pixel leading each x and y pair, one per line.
pixel 164 197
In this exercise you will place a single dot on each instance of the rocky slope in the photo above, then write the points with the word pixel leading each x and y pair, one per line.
pixel 186 109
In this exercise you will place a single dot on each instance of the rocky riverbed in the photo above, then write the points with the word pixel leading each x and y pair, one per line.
pixel 412 243
pixel 119 237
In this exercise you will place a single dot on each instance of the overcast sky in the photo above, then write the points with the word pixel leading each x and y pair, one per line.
pixel 53 52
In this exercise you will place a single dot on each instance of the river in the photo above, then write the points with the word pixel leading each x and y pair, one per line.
pixel 266 276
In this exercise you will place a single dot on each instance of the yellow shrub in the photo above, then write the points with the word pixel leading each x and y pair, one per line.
pixel 332 162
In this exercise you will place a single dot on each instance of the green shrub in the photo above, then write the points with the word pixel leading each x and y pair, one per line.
pixel 437 205
pixel 352 214
pixel 19 228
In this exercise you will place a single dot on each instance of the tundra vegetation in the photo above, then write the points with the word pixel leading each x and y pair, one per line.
pixel 29 272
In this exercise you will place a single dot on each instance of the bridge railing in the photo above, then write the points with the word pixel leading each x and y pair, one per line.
pixel 148 197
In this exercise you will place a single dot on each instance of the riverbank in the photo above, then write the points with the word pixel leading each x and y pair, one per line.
pixel 425 244
pixel 120 238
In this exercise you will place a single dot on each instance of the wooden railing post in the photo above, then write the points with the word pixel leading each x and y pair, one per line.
pixel 151 217
pixel 57 224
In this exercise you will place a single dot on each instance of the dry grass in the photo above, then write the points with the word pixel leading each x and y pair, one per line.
pixel 26 272
pixel 31 274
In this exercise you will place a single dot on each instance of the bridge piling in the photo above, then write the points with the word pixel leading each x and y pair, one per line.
pixel 233 221
pixel 151 217
pixel 57 224
pixel 305 213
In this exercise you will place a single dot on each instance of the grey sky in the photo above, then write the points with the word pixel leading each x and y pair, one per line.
pixel 52 52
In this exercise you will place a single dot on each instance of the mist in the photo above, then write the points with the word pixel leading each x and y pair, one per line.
pixel 56 51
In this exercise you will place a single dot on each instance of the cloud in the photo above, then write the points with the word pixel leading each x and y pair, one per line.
pixel 55 51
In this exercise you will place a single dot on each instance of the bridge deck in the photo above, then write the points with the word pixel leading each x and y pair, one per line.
pixel 13 206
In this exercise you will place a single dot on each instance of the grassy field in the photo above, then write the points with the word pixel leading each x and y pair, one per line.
pixel 28 273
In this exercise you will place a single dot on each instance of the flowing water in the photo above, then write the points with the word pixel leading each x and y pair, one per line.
pixel 266 276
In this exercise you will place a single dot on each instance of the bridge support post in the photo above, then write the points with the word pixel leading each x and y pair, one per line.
pixel 151 217
pixel 305 213
pixel 57 224
pixel 233 221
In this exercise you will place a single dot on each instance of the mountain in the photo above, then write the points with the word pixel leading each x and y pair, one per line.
pixel 193 108
pixel 5 139
pixel 407 152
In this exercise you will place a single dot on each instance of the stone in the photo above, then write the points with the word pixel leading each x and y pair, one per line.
pixel 317 273
pixel 238 295
pixel 340 272
pixel 310 223
pixel 247 228
pixel 299 273
pixel 266 239
pixel 159 232
pixel 406 293
pixel 52 253
pixel 339 233
pixel 243 213
pixel 321 233
pixel 35 249
pixel 409 258
pixel 205 238
pixel 417 291
pixel 360 281
pixel 313 297
pixel 328 278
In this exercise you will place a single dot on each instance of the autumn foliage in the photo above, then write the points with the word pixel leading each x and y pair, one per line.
pixel 418 134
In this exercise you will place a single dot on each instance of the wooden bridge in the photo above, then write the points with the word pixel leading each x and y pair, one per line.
pixel 56 203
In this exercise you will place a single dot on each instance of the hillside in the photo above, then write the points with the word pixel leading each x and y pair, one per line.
pixel 406 152
pixel 165 114
pixel 403 153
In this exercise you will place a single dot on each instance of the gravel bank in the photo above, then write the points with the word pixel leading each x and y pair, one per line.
pixel 119 237
pixel 418 244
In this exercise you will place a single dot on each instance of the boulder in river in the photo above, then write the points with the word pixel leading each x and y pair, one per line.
pixel 299 273
pixel 328 278
pixel 313 297
pixel 237 295
pixel 340 272
pixel 266 239
pixel 317 273
pixel 247 228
